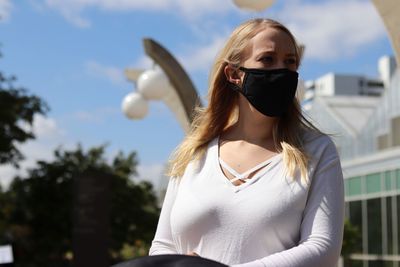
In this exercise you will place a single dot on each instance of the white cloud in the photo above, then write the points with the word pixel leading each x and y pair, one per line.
pixel 331 29
pixel 5 10
pixel 195 9
pixel 43 126
pixel 72 9
pixel 39 149
pixel 144 62
pixel 46 127
pixel 113 74
pixel 96 116
pixel 7 173
pixel 123 5
pixel 153 173
pixel 48 137
pixel 200 58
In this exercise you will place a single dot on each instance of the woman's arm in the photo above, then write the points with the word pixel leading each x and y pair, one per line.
pixel 322 224
pixel 163 242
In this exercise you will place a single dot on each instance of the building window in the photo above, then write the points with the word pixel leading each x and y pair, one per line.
pixel 380 263
pixel 356 220
pixel 346 187
pixel 354 185
pixel 398 224
pixel 373 182
pixel 388 264
pixel 395 123
pixel 398 178
pixel 355 263
pixel 389 225
pixel 374 226
pixel 388 181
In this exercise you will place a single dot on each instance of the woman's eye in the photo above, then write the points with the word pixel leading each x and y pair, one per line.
pixel 291 61
pixel 267 59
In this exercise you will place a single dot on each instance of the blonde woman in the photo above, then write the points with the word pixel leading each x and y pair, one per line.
pixel 254 184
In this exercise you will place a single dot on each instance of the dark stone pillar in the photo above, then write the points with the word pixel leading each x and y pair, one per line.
pixel 91 219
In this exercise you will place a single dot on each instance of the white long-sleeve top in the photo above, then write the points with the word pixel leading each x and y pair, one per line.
pixel 271 220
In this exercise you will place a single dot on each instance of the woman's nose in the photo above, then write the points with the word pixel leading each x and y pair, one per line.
pixel 280 65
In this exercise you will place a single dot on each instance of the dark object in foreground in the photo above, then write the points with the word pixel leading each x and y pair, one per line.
pixel 170 261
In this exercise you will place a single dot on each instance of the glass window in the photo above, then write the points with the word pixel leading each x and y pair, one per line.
pixel 398 178
pixel 356 220
pixel 388 264
pixel 374 226
pixel 353 263
pixel 398 224
pixel 346 187
pixel 388 180
pixel 377 263
pixel 373 182
pixel 389 225
pixel 354 186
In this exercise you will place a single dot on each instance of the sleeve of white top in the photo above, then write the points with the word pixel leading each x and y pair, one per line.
pixel 162 242
pixel 322 224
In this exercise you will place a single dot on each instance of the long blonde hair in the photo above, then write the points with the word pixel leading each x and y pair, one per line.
pixel 221 112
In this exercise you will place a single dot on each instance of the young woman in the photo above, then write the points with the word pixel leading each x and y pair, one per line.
pixel 254 184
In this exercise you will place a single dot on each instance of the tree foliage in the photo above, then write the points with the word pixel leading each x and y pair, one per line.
pixel 351 239
pixel 37 210
pixel 17 109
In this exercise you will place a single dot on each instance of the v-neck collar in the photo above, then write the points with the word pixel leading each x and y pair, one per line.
pixel 243 175
pixel 257 176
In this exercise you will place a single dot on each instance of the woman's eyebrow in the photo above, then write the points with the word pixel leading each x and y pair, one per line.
pixel 269 51
pixel 266 52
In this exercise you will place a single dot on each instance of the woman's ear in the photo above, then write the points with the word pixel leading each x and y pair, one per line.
pixel 232 74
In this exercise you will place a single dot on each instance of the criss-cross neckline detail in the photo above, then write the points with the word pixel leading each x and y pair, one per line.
pixel 259 170
pixel 244 176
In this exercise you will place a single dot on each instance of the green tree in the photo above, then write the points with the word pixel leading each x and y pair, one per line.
pixel 17 108
pixel 351 237
pixel 39 216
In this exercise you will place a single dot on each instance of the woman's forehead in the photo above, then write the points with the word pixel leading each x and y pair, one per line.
pixel 271 39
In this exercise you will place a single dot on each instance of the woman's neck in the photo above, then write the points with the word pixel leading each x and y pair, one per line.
pixel 252 127
pixel 250 131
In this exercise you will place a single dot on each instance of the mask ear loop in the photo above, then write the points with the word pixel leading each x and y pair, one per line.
pixel 235 86
pixel 243 89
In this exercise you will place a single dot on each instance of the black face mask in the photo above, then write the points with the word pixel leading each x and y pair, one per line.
pixel 269 91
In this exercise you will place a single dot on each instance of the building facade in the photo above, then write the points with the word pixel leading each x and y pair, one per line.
pixel 363 117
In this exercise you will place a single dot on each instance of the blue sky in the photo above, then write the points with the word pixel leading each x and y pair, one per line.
pixel 72 53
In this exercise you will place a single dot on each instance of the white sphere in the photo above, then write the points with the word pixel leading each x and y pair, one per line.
pixel 255 5
pixel 135 106
pixel 153 84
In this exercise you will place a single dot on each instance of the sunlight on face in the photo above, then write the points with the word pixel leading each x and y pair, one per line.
pixel 270 49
